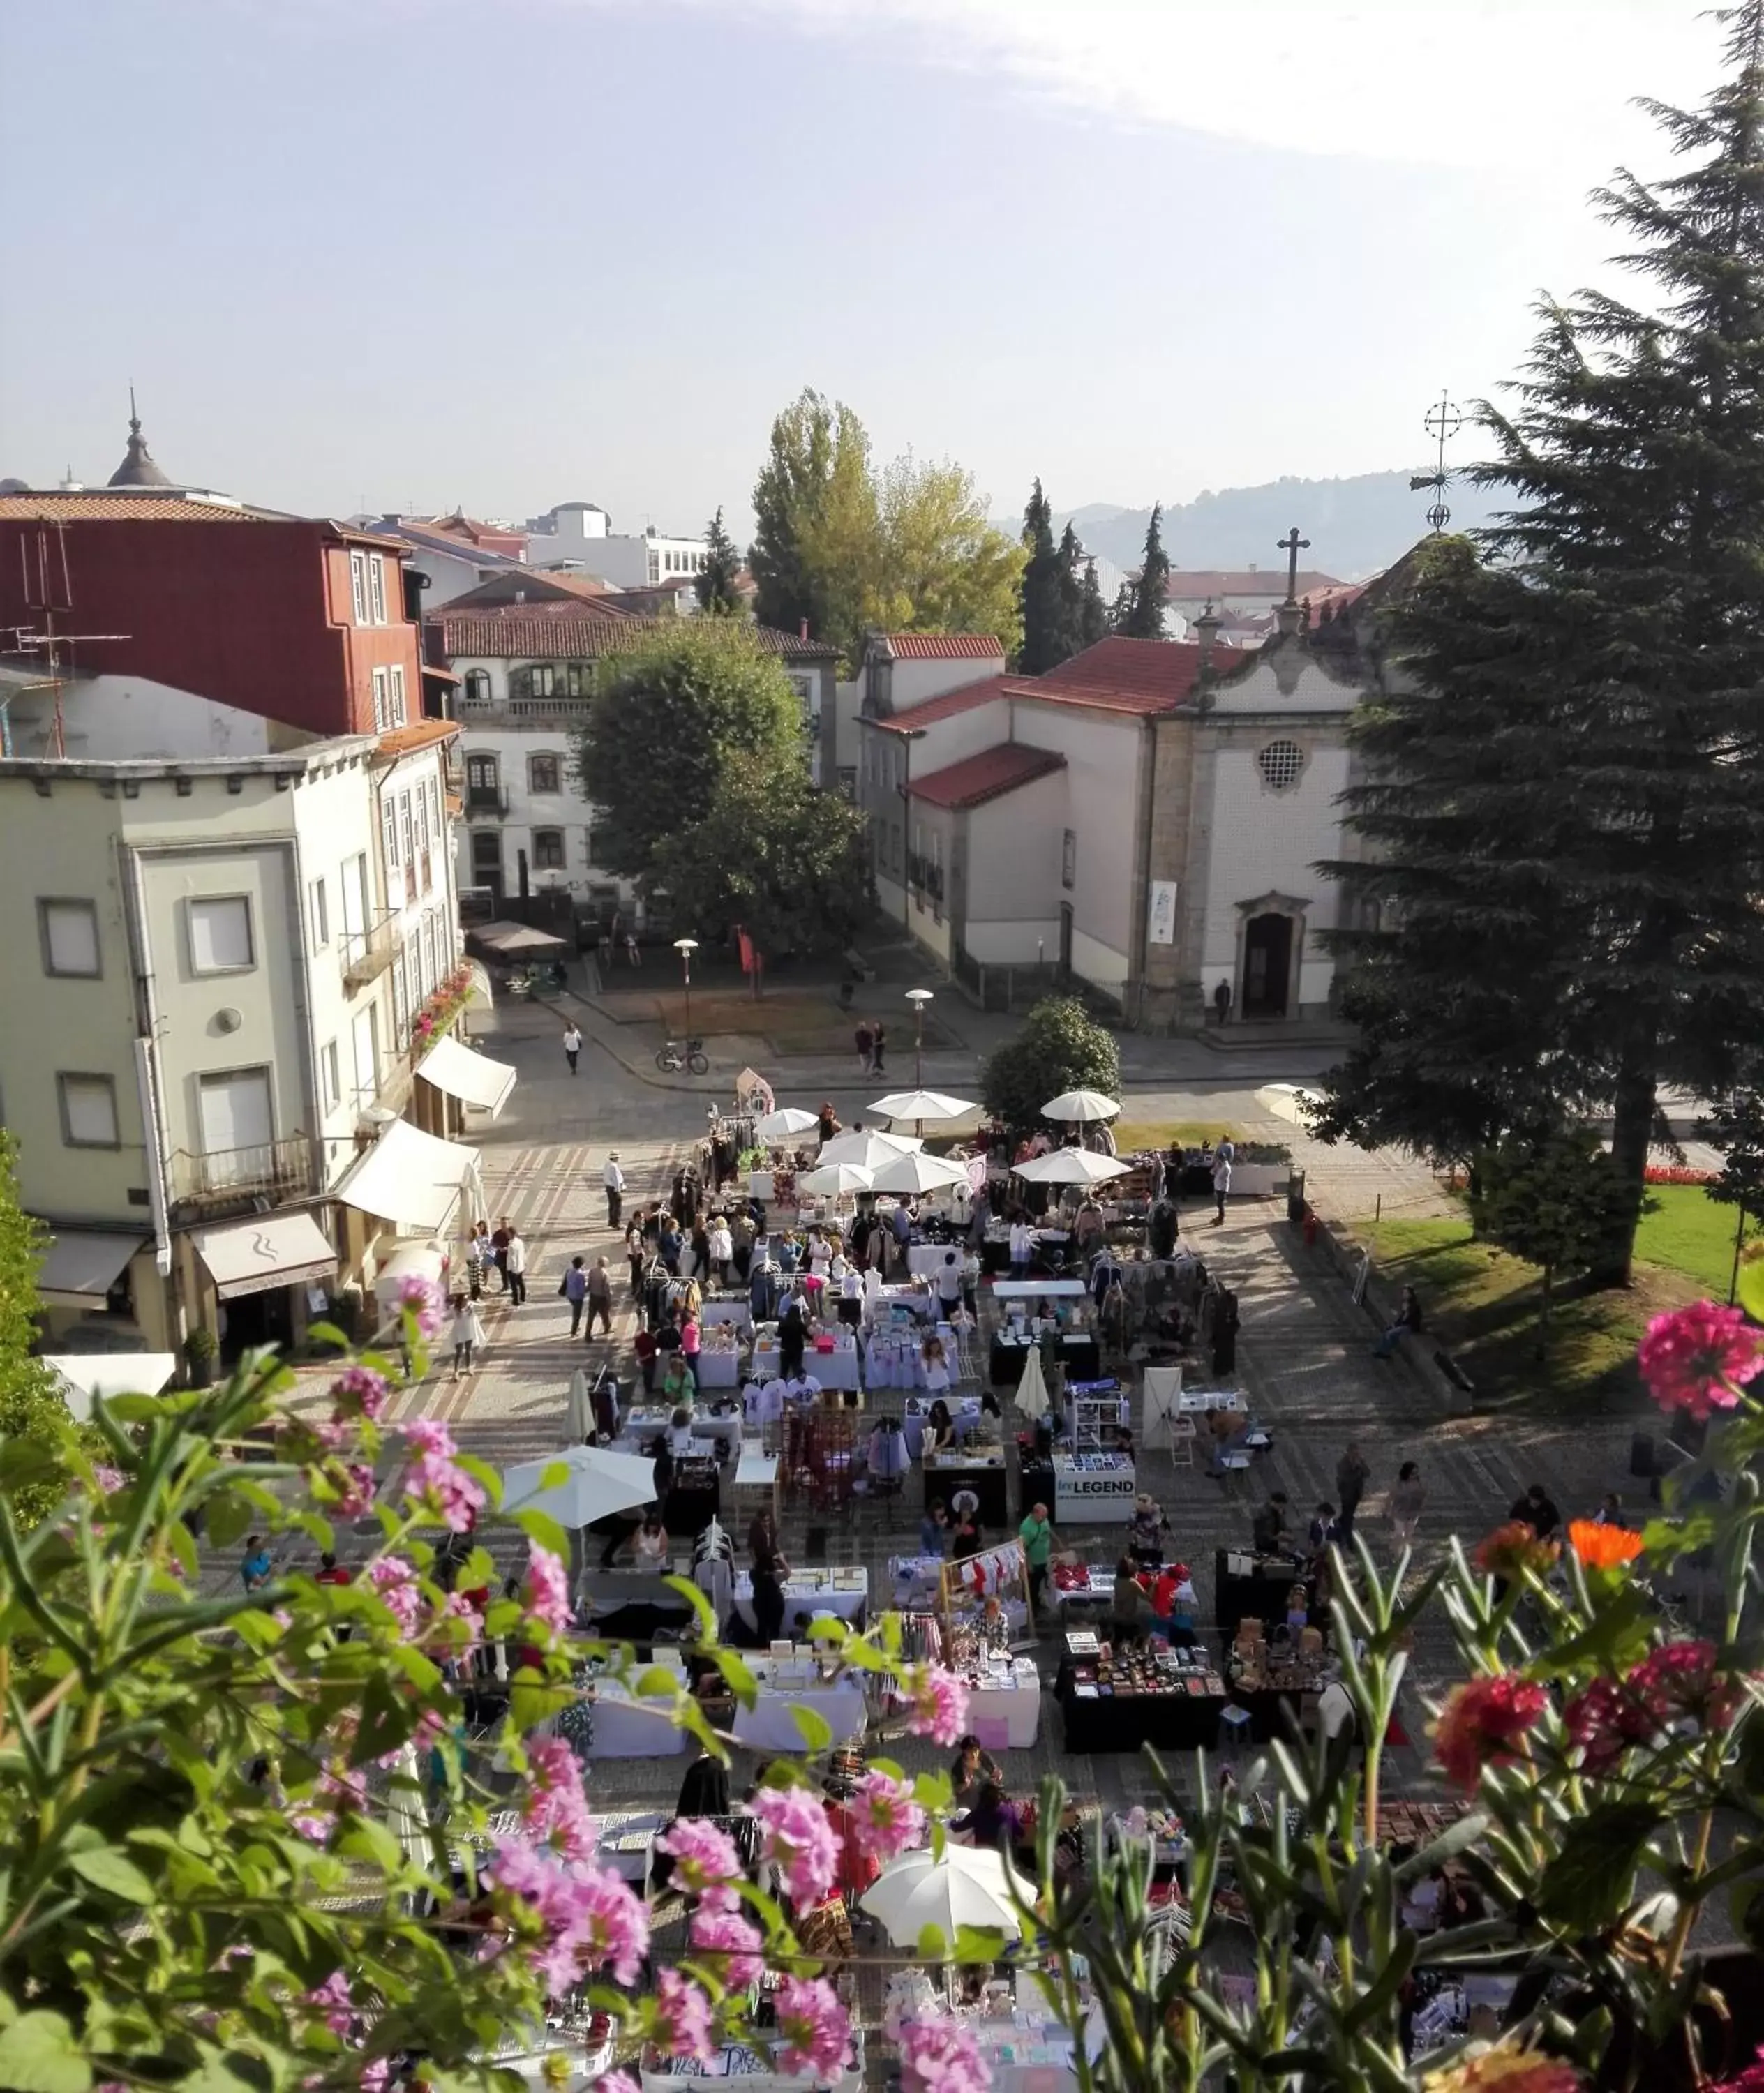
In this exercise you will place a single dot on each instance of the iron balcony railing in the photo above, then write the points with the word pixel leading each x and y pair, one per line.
pixel 366 954
pixel 276 1170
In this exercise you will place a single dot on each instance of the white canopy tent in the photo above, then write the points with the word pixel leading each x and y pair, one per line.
pixel 1080 1107
pixel 473 1078
pixel 868 1151
pixel 412 1180
pixel 785 1124
pixel 837 1179
pixel 596 1483
pixel 86 1375
pixel 1071 1165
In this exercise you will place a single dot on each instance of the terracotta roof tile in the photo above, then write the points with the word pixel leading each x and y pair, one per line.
pixel 528 631
pixel 105 507
pixel 989 775
pixel 418 734
pixel 943 646
pixel 946 707
pixel 1143 676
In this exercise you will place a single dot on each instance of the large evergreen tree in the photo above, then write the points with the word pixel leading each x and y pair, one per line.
pixel 1564 799
pixel 1093 612
pixel 715 586
pixel 1043 637
pixel 1072 614
pixel 1139 615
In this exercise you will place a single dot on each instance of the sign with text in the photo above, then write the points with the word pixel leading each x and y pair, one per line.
pixel 1093 1496
pixel 1161 928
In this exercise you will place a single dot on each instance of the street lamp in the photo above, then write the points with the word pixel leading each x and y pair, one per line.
pixel 686 947
pixel 918 997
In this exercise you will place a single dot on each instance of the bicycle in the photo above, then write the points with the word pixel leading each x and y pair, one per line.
pixel 678 1054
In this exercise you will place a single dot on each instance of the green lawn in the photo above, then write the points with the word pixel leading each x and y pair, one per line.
pixel 1684 1228
pixel 1133 1134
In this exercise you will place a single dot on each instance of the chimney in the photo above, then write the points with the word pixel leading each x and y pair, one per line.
pixel 802 630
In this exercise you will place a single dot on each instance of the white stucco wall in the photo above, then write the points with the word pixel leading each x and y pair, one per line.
pixel 1265 842
pixel 912 683
pixel 1103 758
pixel 623 560
pixel 1013 890
pixel 1313 690
pixel 116 717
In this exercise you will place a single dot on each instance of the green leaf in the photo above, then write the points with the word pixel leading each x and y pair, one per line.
pixel 817 1731
pixel 38 2054
pixel 978 1943
pixel 934 1791
pixel 700 1604
pixel 1751 1290
pixel 933 1947
pixel 106 1869
pixel 227 1517
pixel 1588 1882
pixel 1614 1638
pixel 737 1674
pixel 540 1526
pixel 1450 1842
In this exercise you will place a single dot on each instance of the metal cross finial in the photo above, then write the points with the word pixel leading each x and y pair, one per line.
pixel 1441 423
pixel 1292 547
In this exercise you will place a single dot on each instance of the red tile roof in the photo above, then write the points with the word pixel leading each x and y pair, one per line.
pixel 1142 676
pixel 528 632
pixel 951 702
pixel 1266 582
pixel 537 588
pixel 103 507
pixel 989 775
pixel 943 646
pixel 418 734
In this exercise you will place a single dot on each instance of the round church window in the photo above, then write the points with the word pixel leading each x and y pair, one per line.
pixel 1281 763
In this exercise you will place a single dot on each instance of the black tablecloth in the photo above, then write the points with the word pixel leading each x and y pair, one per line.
pixel 1123 1722
pixel 987 1483
pixel 1261 1597
pixel 1079 1353
pixel 690 1509
pixel 1035 1486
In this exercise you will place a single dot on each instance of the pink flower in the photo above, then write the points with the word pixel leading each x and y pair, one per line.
pixel 457 1606
pixel 816 2031
pixel 1605 1718
pixel 376 2074
pixel 617 2082
pixel 731 1941
pixel 424 1300
pixel 587 1918
pixel 355 1499
pixel 360 1391
pixel 939 1704
pixel 555 1810
pixel 704 1860
pixel 1480 1722
pixel 396 1583
pixel 547 1591
pixel 886 1820
pixel 435 1478
pixel 683 2018
pixel 1751 2080
pixel 1693 1358
pixel 941 2055
pixel 109 1479
pixel 333 1995
pixel 1680 1678
pixel 800 1841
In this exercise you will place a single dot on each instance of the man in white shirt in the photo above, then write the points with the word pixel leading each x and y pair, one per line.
pixel 516 1267
pixel 1022 1248
pixel 613 1178
pixel 1221 1182
pixel 572 1044
pixel 949 1281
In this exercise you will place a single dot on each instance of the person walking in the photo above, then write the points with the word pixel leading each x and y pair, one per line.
pixel 1221 1182
pixel 1037 1535
pixel 515 1264
pixel 574 1291
pixel 866 1045
pixel 1537 1509
pixel 613 1178
pixel 634 1257
pixel 878 1047
pixel 1406 1500
pixel 572 1044
pixel 722 1247
pixel 631 952
pixel 599 1299
pixel 468 1334
pixel 1351 1472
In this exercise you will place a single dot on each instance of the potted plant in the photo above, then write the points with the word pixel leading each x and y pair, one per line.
pixel 199 1351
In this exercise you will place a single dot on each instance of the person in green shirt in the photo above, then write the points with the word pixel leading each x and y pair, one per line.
pixel 1037 1535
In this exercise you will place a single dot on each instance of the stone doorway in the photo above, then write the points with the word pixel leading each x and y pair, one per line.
pixel 1267 954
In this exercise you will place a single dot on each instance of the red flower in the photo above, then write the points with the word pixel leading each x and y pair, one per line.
pixel 1680 1678
pixel 1481 1721
pixel 1511 1549
pixel 1694 1359
pixel 1605 1719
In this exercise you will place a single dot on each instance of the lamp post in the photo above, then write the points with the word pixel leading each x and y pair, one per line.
pixel 686 947
pixel 918 997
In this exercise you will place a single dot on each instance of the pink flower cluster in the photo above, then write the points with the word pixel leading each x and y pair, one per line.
pixel 731 1941
pixel 684 2018
pixel 588 1918
pixel 547 1591
pixel 800 1842
pixel 941 2055
pixel 424 1300
pixel 555 1810
pixel 816 2027
pixel 1481 1720
pixel 705 1861
pixel 886 1820
pixel 333 1997
pixel 1696 1359
pixel 939 1704
pixel 1676 1681
pixel 360 1391
pixel 436 1478
pixel 1751 2080
pixel 395 1583
pixel 355 1492
pixel 109 1479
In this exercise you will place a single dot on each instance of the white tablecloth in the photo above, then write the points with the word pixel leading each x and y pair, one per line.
pixel 808 1593
pixel 769 1726
pixel 930 1259
pixel 627 1729
pixel 642 1426
pixel 838 1368
pixel 1017 1705
pixel 716 1368
pixel 726 1311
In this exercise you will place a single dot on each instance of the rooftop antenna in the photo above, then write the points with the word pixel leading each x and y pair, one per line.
pixel 49 591
pixel 1442 422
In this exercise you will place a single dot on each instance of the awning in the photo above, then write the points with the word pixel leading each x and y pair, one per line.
pixel 480 983
pixel 410 1179
pixel 84 1374
pixel 440 675
pixel 265 1250
pixel 473 1078
pixel 79 1270
pixel 411 1260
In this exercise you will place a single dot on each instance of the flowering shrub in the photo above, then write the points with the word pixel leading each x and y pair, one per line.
pixel 441 1006
pixel 1674 1173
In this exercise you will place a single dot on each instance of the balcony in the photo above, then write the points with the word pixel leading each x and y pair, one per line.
pixel 366 954
pixel 274 1170
pixel 487 802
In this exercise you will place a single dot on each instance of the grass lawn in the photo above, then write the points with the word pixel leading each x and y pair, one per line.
pixel 1133 1134
pixel 1684 1228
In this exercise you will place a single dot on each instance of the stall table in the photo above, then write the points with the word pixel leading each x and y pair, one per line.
pixel 844 1593
pixel 838 1368
pixel 695 1499
pixel 736 1310
pixel 770 1725
pixel 1004 1703
pixel 642 1427
pixel 718 1366
pixel 986 1479
pixel 1123 1722
pixel 625 1728
pixel 1075 1350
pixel 1253 1587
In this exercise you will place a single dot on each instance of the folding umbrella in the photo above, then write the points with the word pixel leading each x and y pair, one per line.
pixel 918 1172
pixel 1071 1165
pixel 868 1151
pixel 1080 1105
pixel 921 1104
pixel 1031 1397
pixel 785 1124
pixel 967 1887
pixel 595 1484
pixel 837 1178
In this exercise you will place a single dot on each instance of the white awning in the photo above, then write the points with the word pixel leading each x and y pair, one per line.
pixel 480 982
pixel 410 1178
pixel 473 1078
pixel 265 1250
pixel 79 1269
pixel 412 1258
pixel 84 1374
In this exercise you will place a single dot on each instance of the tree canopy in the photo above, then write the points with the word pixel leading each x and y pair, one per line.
pixel 33 1412
pixel 716 584
pixel 1552 1203
pixel 1140 615
pixel 1044 610
pixel 1060 1047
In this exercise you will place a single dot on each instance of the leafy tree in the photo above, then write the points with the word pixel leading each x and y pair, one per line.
pixel 1060 1047
pixel 666 723
pixel 940 566
pixel 773 855
pixel 1561 799
pixel 1736 1127
pixel 716 585
pixel 1044 609
pixel 816 521
pixel 33 1412
pixel 1139 611
pixel 1551 1202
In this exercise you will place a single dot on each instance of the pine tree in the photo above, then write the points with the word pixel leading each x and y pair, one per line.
pixel 1042 637
pixel 1564 799
pixel 1144 619
pixel 1071 559
pixel 1093 612
pixel 715 586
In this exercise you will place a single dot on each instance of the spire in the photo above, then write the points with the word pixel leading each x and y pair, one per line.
pixel 137 468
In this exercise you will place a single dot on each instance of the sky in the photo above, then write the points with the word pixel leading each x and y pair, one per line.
pixel 416 254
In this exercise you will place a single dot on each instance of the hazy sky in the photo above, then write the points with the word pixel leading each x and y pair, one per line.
pixel 408 254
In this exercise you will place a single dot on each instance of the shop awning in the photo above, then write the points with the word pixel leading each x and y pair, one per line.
pixel 84 1374
pixel 79 1269
pixel 413 1258
pixel 410 1178
pixel 265 1250
pixel 480 983
pixel 473 1078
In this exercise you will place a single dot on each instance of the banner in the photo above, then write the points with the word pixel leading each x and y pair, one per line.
pixel 1161 928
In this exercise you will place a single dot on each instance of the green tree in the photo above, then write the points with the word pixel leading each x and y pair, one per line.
pixel 939 565
pixel 1551 1202
pixel 666 723
pixel 1736 1126
pixel 1044 610
pixel 1561 799
pixel 716 585
pixel 33 1413
pixel 1060 1047
pixel 1093 612
pixel 1139 614
pixel 815 521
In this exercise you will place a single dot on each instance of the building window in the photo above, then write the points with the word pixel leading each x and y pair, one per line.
pixel 382 702
pixel 1280 764
pixel 549 850
pixel 220 935
pixel 87 1111
pixel 395 676
pixel 578 680
pixel 430 975
pixel 376 588
pixel 318 914
pixel 407 849
pixel 234 1115
pixel 388 845
pixel 477 686
pixel 542 774
pixel 542 680
pixel 401 996
pixel 69 931
pixel 358 585
pixel 330 1075
pixel 483 783
pixel 425 862
pixel 486 856
pixel 1068 858
pixel 848 781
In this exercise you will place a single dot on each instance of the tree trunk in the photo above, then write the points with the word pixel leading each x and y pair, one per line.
pixel 1633 1110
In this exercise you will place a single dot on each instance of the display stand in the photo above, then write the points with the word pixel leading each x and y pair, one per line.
pixel 1002 1571
pixel 1096 1413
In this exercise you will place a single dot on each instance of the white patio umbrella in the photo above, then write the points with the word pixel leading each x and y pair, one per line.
pixel 596 1483
pixel 868 1151
pixel 921 1104
pixel 968 1886
pixel 785 1123
pixel 918 1172
pixel 836 1178
pixel 1071 1165
pixel 1080 1105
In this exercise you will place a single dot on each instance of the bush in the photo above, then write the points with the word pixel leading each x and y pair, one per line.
pixel 1060 1047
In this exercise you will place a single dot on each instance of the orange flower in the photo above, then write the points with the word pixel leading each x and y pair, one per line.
pixel 1506 2071
pixel 1603 1547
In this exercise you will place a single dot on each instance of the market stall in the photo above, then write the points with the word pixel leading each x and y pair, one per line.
pixel 1055 1309
pixel 662 2074
pixel 731 1308
pixel 980 1469
pixel 718 1363
pixel 787 1683
pixel 843 1593
pixel 642 1427
pixel 1117 1700
pixel 627 1728
pixel 830 1358
pixel 1246 1584
pixel 1081 1489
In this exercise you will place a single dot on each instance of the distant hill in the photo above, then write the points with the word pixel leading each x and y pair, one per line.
pixel 1355 525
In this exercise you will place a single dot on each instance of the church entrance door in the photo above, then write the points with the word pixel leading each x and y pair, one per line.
pixel 1268 953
